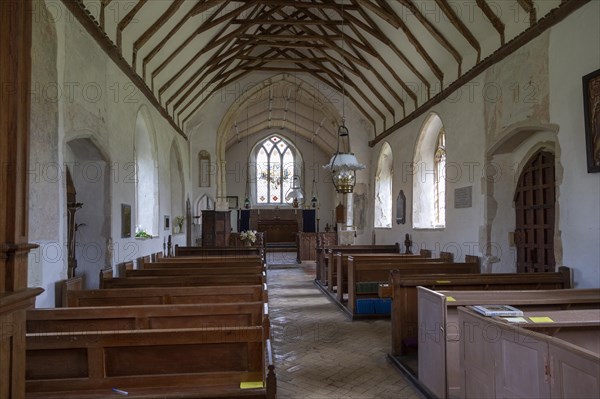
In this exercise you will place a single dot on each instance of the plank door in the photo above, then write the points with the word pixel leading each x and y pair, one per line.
pixel 534 207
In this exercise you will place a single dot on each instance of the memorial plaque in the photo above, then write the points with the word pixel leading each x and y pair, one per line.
pixel 463 197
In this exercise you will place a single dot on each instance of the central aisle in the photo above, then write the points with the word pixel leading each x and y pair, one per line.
pixel 318 352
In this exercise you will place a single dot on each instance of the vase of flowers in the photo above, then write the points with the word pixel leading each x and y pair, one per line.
pixel 178 224
pixel 248 237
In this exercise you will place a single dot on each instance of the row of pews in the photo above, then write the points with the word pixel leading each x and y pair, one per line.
pixel 194 326
pixel 427 297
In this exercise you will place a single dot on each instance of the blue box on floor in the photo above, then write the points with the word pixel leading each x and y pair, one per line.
pixel 365 306
pixel 383 306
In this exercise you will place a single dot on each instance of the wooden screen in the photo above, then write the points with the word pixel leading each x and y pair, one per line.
pixel 534 207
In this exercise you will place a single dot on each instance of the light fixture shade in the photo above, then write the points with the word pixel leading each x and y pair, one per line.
pixel 343 167
pixel 295 193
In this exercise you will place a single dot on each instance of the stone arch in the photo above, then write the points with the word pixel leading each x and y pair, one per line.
pixel 505 160
pixel 307 93
pixel 384 187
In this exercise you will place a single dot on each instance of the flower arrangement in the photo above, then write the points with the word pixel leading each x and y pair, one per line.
pixel 179 223
pixel 249 236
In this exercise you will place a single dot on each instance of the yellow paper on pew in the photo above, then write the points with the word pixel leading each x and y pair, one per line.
pixel 450 299
pixel 251 385
pixel 443 281
pixel 541 319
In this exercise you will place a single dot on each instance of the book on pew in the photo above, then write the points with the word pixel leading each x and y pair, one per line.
pixel 497 310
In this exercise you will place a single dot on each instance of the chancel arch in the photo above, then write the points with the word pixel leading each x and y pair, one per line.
pixel 428 173
pixel 384 177
pixel 146 174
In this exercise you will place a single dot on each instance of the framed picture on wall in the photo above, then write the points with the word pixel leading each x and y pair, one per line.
pixel 167 222
pixel 125 220
pixel 591 112
pixel 232 202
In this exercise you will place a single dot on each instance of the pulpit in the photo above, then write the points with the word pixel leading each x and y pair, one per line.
pixel 216 228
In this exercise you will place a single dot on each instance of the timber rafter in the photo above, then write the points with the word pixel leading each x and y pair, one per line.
pixel 386 56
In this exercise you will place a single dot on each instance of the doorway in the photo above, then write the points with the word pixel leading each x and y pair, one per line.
pixel 534 200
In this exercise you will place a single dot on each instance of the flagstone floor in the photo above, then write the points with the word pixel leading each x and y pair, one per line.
pixel 319 353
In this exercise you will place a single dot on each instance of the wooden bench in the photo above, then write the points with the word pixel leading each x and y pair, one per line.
pixel 361 270
pixel 217 251
pixel 324 241
pixel 341 266
pixel 329 264
pixel 185 281
pixel 559 358
pixel 439 335
pixel 405 299
pixel 166 363
pixel 111 318
pixel 191 271
pixel 166 295
pixel 213 259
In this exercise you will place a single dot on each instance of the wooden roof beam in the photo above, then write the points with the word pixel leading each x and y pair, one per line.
pixel 381 12
pixel 147 35
pixel 409 5
pixel 103 5
pixel 493 18
pixel 287 21
pixel 528 6
pixel 126 21
pixel 460 26
pixel 200 7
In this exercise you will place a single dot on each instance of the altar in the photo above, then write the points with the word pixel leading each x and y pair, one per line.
pixel 279 225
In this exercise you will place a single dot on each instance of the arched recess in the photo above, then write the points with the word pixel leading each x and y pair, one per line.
pixel 146 173
pixel 177 185
pixel 506 160
pixel 383 187
pixel 429 200
pixel 205 169
pixel 89 167
pixel 262 94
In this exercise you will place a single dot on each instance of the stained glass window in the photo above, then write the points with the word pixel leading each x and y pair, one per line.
pixel 274 170
pixel 440 179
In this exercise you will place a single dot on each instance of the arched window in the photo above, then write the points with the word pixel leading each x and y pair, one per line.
pixel 383 187
pixel 204 168
pixel 146 175
pixel 277 163
pixel 439 159
pixel 429 178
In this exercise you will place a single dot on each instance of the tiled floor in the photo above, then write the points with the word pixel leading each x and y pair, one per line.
pixel 319 353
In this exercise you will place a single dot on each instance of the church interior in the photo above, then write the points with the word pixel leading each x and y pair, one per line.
pixel 300 199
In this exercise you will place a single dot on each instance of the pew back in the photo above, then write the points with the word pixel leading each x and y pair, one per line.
pixel 405 298
pixel 166 296
pixel 439 336
pixel 185 281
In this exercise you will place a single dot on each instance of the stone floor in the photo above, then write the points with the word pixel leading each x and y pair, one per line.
pixel 319 353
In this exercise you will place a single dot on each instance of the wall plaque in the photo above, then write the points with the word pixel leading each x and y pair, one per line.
pixel 463 197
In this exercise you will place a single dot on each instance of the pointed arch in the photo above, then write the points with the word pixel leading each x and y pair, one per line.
pixel 177 188
pixel 429 180
pixel 146 173
pixel 383 187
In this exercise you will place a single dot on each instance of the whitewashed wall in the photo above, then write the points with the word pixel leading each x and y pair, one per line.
pixel 90 98
pixel 533 97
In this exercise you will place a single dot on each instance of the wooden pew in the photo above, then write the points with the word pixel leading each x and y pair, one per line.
pixel 75 283
pixel 556 359
pixel 324 240
pixel 213 259
pixel 185 281
pixel 110 318
pixel 167 295
pixel 439 336
pixel 329 264
pixel 341 262
pixel 217 251
pixel 405 300
pixel 361 269
pixel 191 271
pixel 165 363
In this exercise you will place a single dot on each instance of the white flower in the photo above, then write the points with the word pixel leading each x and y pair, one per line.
pixel 248 235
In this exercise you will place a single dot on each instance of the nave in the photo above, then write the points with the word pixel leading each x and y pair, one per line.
pixel 320 353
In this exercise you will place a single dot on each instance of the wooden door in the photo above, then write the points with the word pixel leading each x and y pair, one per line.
pixel 534 207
